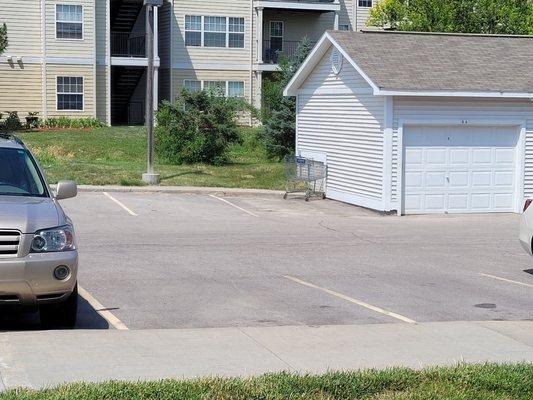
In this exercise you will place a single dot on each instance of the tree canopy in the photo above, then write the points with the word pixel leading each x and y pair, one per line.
pixel 3 37
pixel 462 16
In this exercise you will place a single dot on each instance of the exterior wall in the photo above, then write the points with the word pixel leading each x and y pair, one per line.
pixel 361 15
pixel 85 71
pixel 467 109
pixel 341 121
pixel 68 47
pixel 20 88
pixel 23 19
pixel 298 25
pixel 188 56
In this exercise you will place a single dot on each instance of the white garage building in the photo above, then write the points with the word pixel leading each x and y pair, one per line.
pixel 419 123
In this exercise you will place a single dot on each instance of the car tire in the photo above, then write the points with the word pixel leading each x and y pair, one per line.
pixel 62 315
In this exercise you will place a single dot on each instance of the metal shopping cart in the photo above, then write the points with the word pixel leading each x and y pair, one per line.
pixel 305 175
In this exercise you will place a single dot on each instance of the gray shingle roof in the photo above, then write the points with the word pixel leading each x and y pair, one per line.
pixel 411 61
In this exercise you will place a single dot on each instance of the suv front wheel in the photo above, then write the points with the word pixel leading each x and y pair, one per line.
pixel 61 315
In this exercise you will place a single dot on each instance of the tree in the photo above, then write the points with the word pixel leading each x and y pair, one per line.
pixel 279 112
pixel 3 38
pixel 464 16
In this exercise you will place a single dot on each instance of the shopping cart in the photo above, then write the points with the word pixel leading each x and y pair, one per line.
pixel 305 175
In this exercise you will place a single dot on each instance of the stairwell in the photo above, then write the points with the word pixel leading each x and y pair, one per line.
pixel 124 82
pixel 124 13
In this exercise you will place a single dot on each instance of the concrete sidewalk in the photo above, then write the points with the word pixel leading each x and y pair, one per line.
pixel 41 359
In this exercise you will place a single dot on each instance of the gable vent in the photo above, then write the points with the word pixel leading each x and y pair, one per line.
pixel 336 62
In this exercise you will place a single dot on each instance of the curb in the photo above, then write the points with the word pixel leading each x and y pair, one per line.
pixel 181 190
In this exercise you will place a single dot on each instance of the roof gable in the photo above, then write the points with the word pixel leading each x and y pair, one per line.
pixel 434 64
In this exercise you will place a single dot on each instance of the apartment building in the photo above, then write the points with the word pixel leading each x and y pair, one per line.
pixel 81 58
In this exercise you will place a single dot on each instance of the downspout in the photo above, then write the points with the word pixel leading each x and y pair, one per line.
pixel 251 58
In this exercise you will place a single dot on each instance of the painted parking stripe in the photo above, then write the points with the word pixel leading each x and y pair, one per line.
pixel 102 311
pixel 506 280
pixel 119 203
pixel 234 205
pixel 352 300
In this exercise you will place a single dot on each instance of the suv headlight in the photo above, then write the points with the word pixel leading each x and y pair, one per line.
pixel 53 240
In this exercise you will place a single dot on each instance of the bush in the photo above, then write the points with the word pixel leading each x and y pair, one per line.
pixel 12 122
pixel 196 129
pixel 72 123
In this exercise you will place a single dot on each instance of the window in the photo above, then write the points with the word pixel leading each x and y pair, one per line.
pixel 218 87
pixel 235 89
pixel 236 33
pixel 69 21
pixel 69 93
pixel 365 3
pixel 214 32
pixel 19 175
pixel 210 31
pixel 344 27
pixel 193 30
pixel 192 86
pixel 223 88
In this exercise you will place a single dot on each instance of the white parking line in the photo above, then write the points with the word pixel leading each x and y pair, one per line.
pixel 352 300
pixel 119 203
pixel 235 206
pixel 101 310
pixel 506 280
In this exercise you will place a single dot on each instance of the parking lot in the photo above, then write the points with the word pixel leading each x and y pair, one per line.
pixel 153 260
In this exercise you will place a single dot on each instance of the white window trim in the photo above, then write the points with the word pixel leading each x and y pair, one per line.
pixel 226 94
pixel 82 94
pixel 82 23
pixel 282 33
pixel 203 31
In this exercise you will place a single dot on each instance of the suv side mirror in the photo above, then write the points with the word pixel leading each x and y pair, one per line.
pixel 66 190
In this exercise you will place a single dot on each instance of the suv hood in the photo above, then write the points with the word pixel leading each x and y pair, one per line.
pixel 29 214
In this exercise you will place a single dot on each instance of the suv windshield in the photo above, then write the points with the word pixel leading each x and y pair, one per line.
pixel 19 175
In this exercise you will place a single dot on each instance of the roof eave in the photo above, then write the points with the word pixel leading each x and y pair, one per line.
pixel 450 93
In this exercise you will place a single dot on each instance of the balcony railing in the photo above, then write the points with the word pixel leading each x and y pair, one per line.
pixel 274 50
pixel 123 44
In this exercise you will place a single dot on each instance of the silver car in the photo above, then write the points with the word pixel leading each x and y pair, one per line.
pixel 38 255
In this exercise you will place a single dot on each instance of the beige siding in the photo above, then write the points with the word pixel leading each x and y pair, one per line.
pixel 222 8
pixel 340 120
pixel 362 14
pixel 23 21
pixel 426 108
pixel 20 88
pixel 347 14
pixel 87 72
pixel 69 47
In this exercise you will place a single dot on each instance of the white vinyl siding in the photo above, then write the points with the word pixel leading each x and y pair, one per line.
pixel 339 118
pixel 467 109
pixel 20 89
pixel 23 19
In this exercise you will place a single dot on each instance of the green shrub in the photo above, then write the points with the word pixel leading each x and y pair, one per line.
pixel 279 112
pixel 72 123
pixel 12 122
pixel 196 129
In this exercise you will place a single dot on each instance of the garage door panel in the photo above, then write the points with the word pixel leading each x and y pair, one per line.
pixel 458 202
pixel 482 156
pixel 414 180
pixel 459 169
pixel 459 179
pixel 481 178
pixel 459 156
pixel 504 178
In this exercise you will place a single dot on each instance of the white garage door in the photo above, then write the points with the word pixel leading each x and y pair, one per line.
pixel 459 169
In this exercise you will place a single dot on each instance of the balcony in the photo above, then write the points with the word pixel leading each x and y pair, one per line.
pixel 275 50
pixel 124 44
pixel 317 5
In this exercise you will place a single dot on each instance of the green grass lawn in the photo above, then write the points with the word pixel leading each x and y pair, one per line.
pixel 482 382
pixel 117 156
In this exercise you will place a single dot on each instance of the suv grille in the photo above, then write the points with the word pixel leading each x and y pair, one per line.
pixel 9 243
